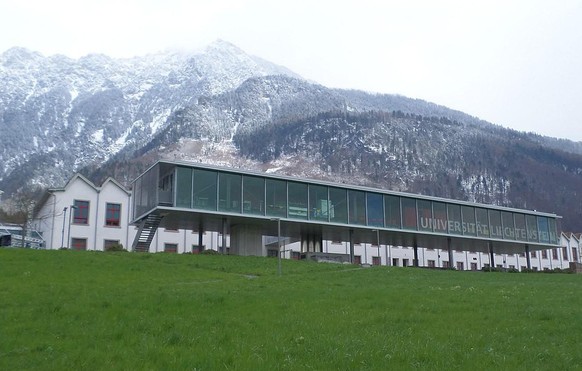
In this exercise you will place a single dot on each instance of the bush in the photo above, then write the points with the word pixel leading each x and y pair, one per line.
pixel 115 248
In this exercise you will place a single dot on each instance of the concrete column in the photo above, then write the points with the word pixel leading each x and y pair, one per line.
pixel 200 237
pixel 351 246
pixel 491 256
pixel 450 250
pixel 415 248
pixel 527 257
pixel 223 247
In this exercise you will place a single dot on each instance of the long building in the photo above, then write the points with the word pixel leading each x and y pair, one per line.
pixel 248 206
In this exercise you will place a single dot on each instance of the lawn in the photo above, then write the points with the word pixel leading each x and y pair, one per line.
pixel 68 310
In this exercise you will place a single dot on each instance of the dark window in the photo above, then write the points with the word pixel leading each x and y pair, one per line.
pixel 532 228
pixel 495 223
pixel 440 220
pixel 552 230
pixel 253 195
pixel 108 244
pixel 171 247
pixel 392 211
pixel 565 253
pixel 534 254
pixel 229 186
pixel 543 229
pixel 520 229
pixel 357 207
pixel 81 214
pixel 318 203
pixel 482 222
pixel 183 187
pixel 508 226
pixel 544 254
pixel 408 213
pixel 455 223
pixel 112 214
pixel 338 205
pixel 204 189
pixel 79 243
pixel 375 209
pixel 276 191
pixel 425 219
pixel 297 200
pixel 469 225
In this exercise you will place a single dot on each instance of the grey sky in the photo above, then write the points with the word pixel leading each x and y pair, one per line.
pixel 514 63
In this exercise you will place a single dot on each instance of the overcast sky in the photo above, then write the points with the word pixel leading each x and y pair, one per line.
pixel 514 63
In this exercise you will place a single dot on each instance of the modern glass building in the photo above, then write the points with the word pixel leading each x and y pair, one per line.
pixel 199 197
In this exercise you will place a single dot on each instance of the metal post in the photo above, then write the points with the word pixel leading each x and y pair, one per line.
pixel 491 256
pixel 415 249
pixel 527 257
pixel 378 242
pixel 63 231
pixel 451 257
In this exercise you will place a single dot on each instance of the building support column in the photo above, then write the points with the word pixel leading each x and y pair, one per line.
pixel 415 248
pixel 223 247
pixel 450 250
pixel 352 246
pixel 491 256
pixel 200 237
pixel 527 257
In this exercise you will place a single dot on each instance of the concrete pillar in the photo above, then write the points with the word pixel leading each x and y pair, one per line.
pixel 527 257
pixel 200 237
pixel 450 249
pixel 491 256
pixel 223 247
pixel 415 248
pixel 351 246
pixel 246 240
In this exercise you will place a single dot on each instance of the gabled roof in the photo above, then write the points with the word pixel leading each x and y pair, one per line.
pixel 74 178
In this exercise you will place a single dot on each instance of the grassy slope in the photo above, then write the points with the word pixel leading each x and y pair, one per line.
pixel 82 310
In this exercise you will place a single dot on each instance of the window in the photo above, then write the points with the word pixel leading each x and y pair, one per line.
pixel 425 219
pixel 409 213
pixel 455 222
pixel 79 243
pixel 392 211
pixel 253 195
pixel 338 205
pixel 204 183
pixel 555 254
pixel 533 254
pixel 297 200
pixel 357 259
pixel 171 247
pixel 375 209
pixel 565 253
pixel 112 214
pixel 395 262
pixel 544 254
pixel 469 222
pixel 108 244
pixel 229 192
pixel 431 263
pixel 357 207
pixel 183 187
pixel 473 266
pixel 197 249
pixel 574 255
pixel 276 195
pixel 318 203
pixel 81 214
pixel 375 260
pixel 460 266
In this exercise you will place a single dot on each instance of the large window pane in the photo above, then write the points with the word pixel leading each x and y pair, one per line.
pixel 392 211
pixel 375 209
pixel 468 214
pixel 455 223
pixel 408 213
pixel 425 220
pixel 297 200
pixel 532 228
pixel 552 229
pixel 508 227
pixel 338 205
pixel 318 203
pixel 482 222
pixel 253 195
pixel 495 224
pixel 520 230
pixel 183 187
pixel 357 207
pixel 440 220
pixel 543 229
pixel 229 192
pixel 205 187
pixel 276 192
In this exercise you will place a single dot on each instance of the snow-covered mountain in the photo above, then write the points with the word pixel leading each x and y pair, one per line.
pixel 58 114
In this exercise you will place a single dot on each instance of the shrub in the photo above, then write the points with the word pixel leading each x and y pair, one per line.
pixel 115 247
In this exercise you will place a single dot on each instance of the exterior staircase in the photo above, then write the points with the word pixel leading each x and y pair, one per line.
pixel 145 234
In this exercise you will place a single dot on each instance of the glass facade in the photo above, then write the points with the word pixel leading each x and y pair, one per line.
pixel 232 192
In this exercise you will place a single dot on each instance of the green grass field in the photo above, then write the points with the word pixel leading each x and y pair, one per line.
pixel 67 310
